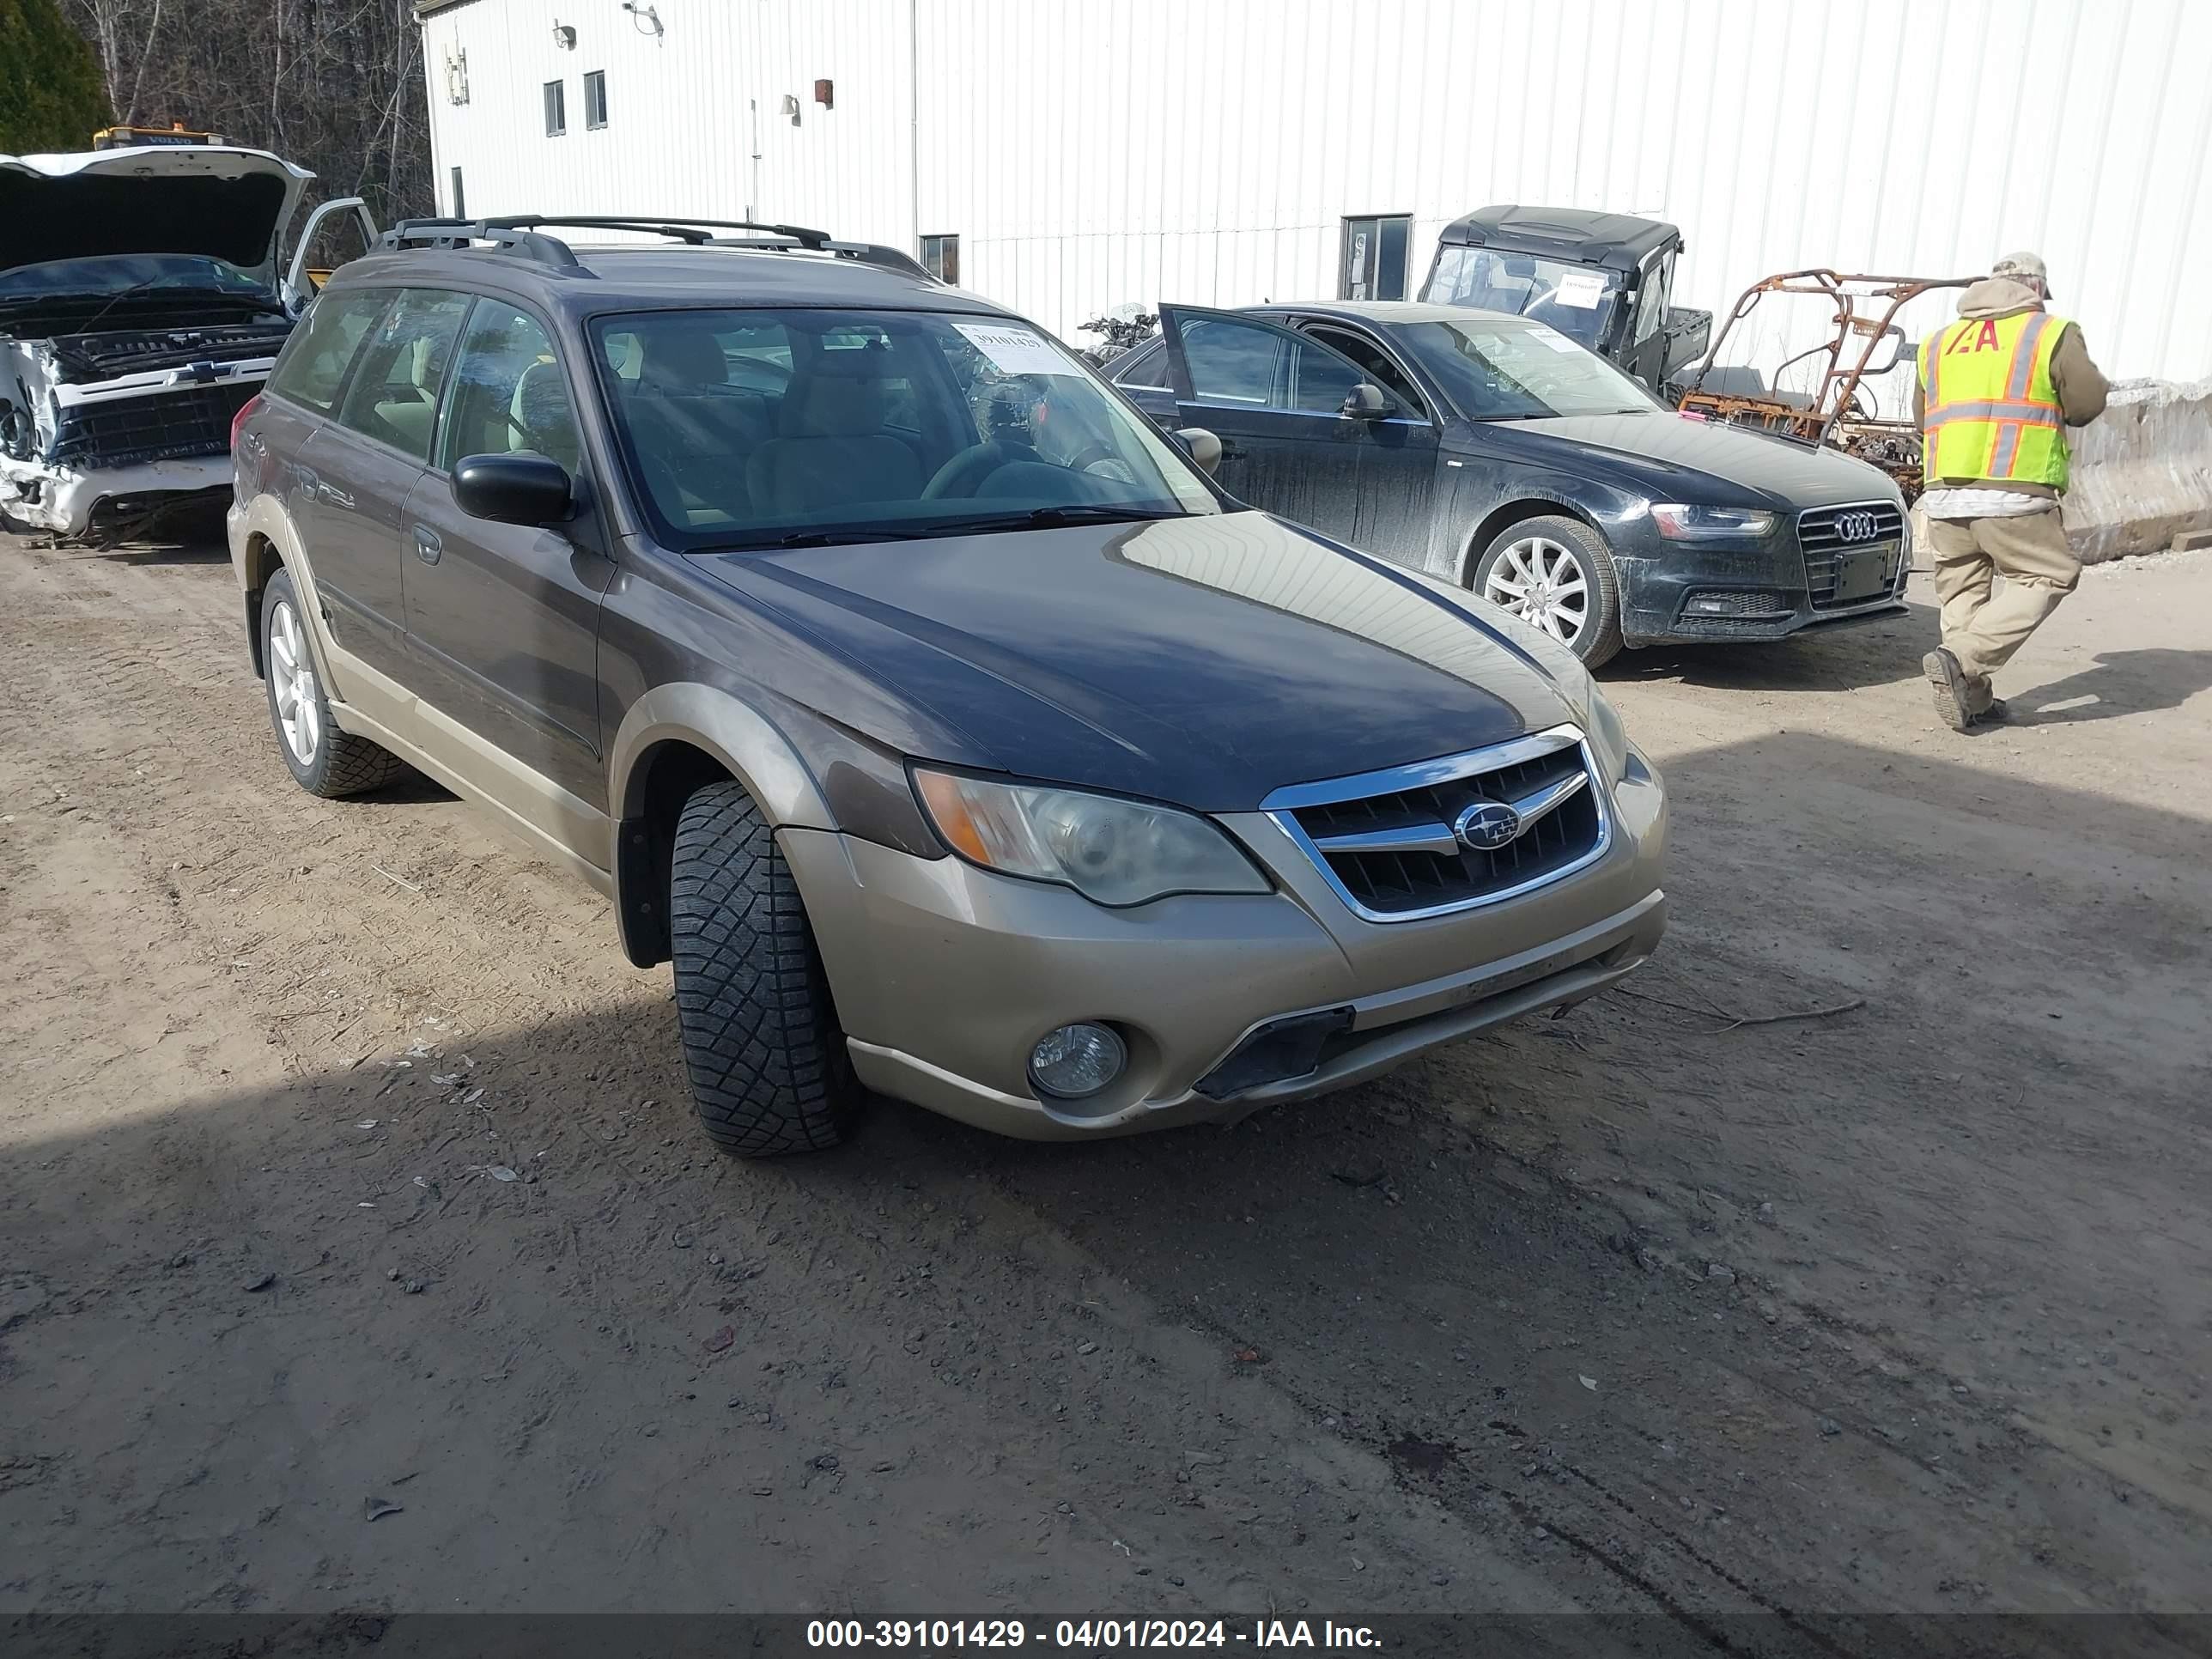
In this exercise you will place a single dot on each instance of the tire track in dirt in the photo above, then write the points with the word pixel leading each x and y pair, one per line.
pixel 1433 1261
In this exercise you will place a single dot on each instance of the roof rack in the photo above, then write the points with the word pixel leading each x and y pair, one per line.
pixel 518 234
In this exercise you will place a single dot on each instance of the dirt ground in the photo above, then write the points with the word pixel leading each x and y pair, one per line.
pixel 1645 1311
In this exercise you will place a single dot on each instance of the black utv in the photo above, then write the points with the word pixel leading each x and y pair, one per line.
pixel 1603 279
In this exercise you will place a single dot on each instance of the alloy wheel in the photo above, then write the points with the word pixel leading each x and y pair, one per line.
pixel 1540 581
pixel 292 683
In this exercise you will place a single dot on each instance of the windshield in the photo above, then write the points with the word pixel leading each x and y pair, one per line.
pixel 1573 299
pixel 110 275
pixel 768 429
pixel 1521 371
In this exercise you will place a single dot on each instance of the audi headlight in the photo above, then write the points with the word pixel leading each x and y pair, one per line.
pixel 1690 524
pixel 1111 851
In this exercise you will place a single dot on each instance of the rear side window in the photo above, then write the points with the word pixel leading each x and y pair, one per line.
pixel 315 360
pixel 393 395
pixel 509 394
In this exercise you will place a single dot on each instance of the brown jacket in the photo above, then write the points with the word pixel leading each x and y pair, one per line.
pixel 2082 387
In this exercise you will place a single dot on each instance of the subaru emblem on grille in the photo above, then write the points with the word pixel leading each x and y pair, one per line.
pixel 1858 527
pixel 1487 825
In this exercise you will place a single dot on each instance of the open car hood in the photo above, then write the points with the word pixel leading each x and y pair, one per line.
pixel 226 203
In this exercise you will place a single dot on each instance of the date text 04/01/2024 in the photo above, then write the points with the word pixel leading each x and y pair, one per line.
pixel 1084 1635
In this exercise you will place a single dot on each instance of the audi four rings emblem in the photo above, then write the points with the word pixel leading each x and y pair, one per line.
pixel 1487 825
pixel 1858 527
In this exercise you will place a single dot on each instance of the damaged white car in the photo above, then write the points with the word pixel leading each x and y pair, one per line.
pixel 140 308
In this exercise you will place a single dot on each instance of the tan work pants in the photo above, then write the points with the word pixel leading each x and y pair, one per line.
pixel 2030 552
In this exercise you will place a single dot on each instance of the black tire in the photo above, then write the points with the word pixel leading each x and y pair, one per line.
pixel 1597 639
pixel 338 763
pixel 769 1071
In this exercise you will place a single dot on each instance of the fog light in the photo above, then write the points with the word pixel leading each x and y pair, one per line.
pixel 1075 1061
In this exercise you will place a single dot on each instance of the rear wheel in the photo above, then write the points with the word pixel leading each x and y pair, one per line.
pixel 323 760
pixel 1556 574
pixel 769 1071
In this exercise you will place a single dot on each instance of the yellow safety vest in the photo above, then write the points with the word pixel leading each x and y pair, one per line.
pixel 1992 407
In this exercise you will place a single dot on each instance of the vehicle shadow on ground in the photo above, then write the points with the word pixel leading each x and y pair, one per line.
pixel 1878 653
pixel 2120 682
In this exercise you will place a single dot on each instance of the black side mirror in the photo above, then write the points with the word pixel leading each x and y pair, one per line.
pixel 1366 402
pixel 527 489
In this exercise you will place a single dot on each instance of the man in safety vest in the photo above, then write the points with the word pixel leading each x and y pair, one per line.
pixel 1997 390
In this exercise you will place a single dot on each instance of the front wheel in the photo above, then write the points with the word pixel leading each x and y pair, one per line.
pixel 769 1071
pixel 1556 574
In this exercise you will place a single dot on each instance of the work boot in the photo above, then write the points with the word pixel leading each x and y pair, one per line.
pixel 1949 681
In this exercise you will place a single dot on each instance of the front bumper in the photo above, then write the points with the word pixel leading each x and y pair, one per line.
pixel 94 502
pixel 1749 591
pixel 945 975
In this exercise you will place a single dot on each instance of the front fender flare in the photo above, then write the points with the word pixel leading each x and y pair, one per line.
pixel 739 738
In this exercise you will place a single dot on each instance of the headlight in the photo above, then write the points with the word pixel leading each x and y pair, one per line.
pixel 1690 524
pixel 1112 851
pixel 1609 739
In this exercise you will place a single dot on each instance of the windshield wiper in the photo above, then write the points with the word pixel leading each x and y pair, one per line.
pixel 1047 518
pixel 170 288
pixel 812 539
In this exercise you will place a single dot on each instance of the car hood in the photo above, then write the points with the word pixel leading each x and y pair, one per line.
pixel 1703 461
pixel 1206 660
pixel 205 199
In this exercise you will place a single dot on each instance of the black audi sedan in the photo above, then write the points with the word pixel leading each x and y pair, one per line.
pixel 1494 453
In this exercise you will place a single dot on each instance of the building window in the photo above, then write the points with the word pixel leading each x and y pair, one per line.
pixel 460 196
pixel 940 256
pixel 1374 265
pixel 595 100
pixel 556 109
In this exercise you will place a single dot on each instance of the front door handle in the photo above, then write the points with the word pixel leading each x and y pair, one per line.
pixel 428 547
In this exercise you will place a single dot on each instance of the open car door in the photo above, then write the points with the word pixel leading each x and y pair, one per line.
pixel 1293 416
pixel 300 282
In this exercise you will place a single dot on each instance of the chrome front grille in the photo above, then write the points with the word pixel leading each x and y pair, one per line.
pixel 1828 535
pixel 1387 841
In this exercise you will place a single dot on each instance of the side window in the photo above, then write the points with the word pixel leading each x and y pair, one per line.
pixel 759 358
pixel 1377 364
pixel 1652 299
pixel 1320 381
pixel 1143 369
pixel 393 394
pixel 1230 362
pixel 509 394
pixel 1449 277
pixel 315 359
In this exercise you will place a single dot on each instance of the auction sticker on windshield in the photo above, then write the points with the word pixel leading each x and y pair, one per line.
pixel 1016 350
pixel 1553 339
pixel 1582 289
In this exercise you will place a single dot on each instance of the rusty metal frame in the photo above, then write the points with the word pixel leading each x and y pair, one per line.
pixel 1865 308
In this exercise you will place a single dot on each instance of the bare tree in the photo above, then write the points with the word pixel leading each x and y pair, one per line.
pixel 335 85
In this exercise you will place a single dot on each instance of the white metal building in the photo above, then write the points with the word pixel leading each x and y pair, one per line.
pixel 1085 153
